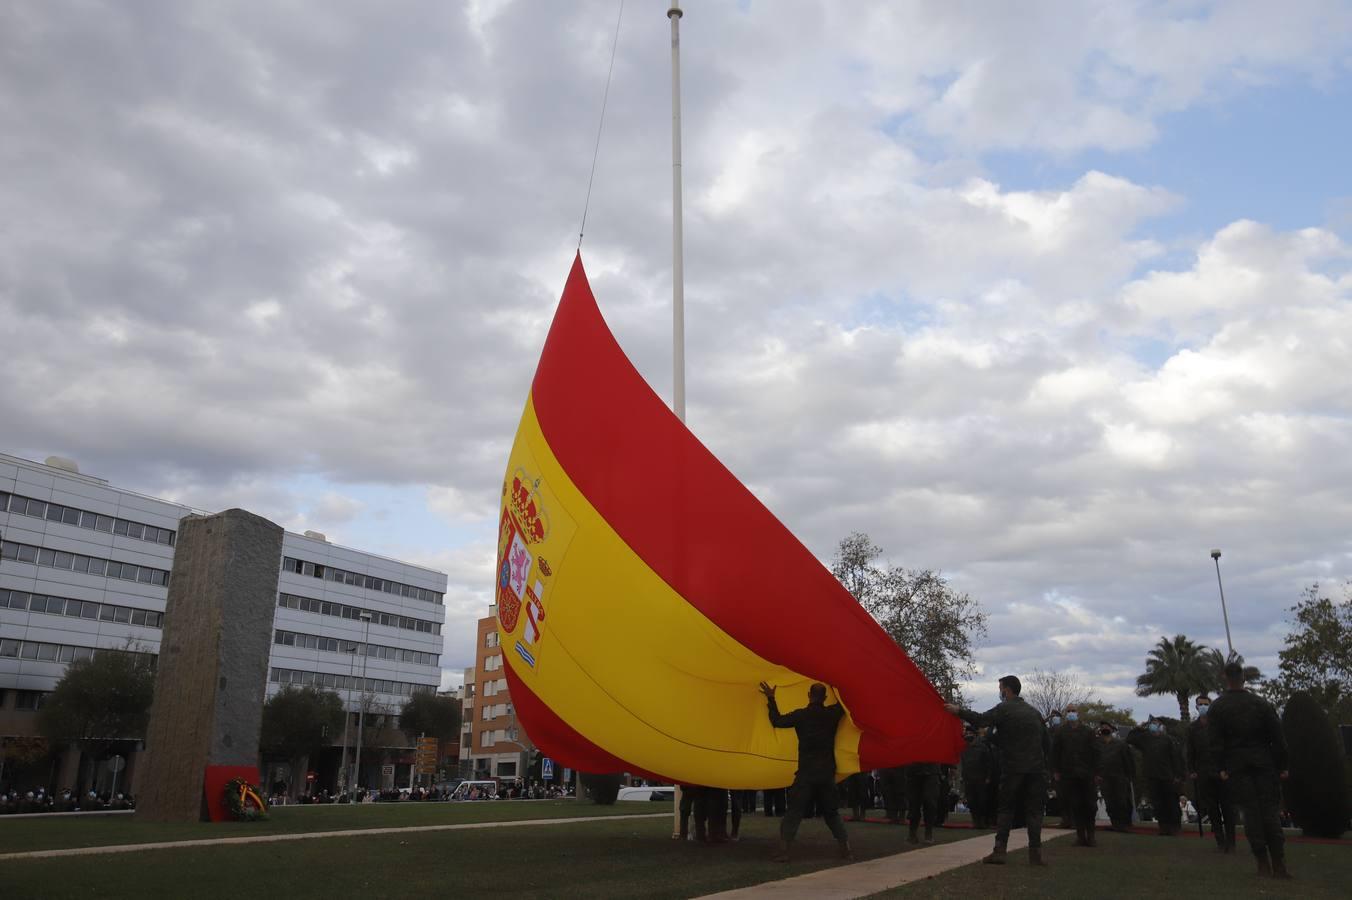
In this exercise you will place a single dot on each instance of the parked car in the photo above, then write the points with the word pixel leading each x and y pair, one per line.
pixel 655 794
pixel 477 790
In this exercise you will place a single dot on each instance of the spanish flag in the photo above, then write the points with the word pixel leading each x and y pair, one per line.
pixel 642 594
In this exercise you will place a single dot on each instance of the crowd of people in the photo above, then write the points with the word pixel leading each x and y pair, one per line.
pixel 40 801
pixel 1234 757
pixel 517 789
pixel 1018 765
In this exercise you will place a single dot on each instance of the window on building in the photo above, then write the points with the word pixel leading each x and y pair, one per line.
pixel 29 701
pixel 506 769
pixel 491 639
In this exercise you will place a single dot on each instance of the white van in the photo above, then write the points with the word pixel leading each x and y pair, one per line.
pixel 658 794
pixel 481 790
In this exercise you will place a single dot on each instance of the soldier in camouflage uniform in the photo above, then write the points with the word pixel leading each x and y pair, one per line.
pixel 976 767
pixel 922 790
pixel 1024 747
pixel 1248 738
pixel 1075 771
pixel 815 780
pixel 1163 760
pixel 1117 767
pixel 1213 795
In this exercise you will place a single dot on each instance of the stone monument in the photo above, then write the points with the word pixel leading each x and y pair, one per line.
pixel 213 666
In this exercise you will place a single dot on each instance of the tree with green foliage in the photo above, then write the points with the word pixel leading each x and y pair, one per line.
pixel 1317 790
pixel 101 701
pixel 1177 667
pixel 430 715
pixel 1317 658
pixel 934 624
pixel 298 721
pixel 1096 711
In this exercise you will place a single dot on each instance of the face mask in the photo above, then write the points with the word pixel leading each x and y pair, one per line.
pixel 1154 727
pixel 1072 717
pixel 1201 710
pixel 1056 720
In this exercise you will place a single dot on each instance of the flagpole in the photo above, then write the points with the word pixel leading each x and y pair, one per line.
pixel 678 270
pixel 677 227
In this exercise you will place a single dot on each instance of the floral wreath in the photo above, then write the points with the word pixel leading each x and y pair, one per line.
pixel 244 802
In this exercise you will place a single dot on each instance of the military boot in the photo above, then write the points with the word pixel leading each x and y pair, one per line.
pixel 914 836
pixel 1035 856
pixel 1264 867
pixel 1279 867
pixel 996 857
pixel 1080 839
pixel 782 854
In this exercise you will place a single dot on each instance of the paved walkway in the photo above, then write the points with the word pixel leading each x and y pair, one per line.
pixel 865 878
pixel 309 835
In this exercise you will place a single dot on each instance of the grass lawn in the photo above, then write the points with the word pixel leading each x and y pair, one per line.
pixel 1132 865
pixel 627 859
pixel 56 832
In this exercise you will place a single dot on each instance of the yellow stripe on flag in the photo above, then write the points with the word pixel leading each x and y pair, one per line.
pixel 620 656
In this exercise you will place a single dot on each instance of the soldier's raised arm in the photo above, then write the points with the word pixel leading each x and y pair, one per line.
pixel 777 719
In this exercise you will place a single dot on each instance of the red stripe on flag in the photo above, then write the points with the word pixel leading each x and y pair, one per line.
pixel 712 541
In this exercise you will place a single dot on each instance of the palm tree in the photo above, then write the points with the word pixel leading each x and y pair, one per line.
pixel 1215 663
pixel 1177 667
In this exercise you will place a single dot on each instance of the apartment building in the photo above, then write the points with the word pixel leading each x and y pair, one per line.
pixel 496 746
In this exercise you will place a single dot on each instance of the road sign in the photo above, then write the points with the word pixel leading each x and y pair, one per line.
pixel 425 760
pixel 547 769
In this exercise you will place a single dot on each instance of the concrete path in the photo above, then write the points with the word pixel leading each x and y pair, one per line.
pixel 865 878
pixel 310 835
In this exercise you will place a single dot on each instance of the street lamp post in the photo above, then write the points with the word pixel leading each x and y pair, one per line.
pixel 361 710
pixel 1216 558
pixel 347 716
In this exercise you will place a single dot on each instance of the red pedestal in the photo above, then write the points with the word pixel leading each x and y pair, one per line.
pixel 216 779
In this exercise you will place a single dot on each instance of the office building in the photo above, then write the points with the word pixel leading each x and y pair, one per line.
pixel 84 568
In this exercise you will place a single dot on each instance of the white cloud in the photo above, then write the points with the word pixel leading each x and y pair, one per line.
pixel 326 240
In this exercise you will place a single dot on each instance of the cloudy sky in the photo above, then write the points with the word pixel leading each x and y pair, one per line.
pixel 1054 297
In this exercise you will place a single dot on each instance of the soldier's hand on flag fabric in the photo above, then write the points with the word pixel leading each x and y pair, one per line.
pixel 953 708
pixel 767 690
